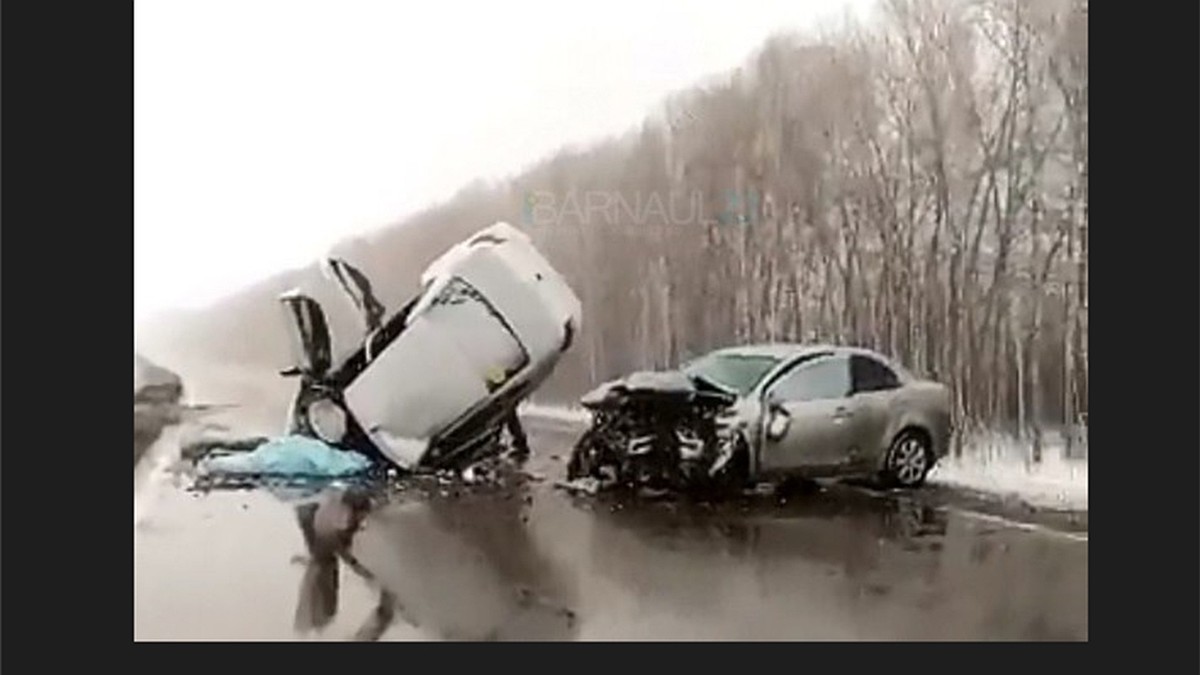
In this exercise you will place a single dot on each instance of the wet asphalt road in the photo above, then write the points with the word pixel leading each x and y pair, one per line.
pixel 533 562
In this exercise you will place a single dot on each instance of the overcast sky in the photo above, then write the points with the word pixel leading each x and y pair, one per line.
pixel 266 131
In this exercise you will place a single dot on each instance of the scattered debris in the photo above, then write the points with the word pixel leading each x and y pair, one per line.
pixel 763 489
pixel 588 485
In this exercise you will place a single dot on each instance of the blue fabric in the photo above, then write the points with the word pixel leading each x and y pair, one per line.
pixel 290 456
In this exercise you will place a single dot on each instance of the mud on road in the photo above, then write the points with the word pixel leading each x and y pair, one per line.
pixel 530 561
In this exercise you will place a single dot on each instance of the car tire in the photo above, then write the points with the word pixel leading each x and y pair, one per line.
pixel 908 460
pixel 735 475
pixel 583 457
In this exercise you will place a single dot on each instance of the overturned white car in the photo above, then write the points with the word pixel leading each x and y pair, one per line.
pixel 435 383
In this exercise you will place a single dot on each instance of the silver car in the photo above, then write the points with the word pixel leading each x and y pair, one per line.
pixel 765 411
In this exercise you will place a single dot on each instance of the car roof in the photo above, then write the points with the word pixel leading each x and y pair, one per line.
pixel 787 352
pixel 790 350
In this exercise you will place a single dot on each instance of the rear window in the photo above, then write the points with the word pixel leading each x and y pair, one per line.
pixel 871 374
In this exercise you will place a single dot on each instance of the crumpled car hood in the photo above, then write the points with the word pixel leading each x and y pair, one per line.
pixel 657 384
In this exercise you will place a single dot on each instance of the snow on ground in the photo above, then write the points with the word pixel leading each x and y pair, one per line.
pixel 558 413
pixel 994 464
pixel 1000 465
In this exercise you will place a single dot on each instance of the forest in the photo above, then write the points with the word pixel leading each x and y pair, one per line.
pixel 919 187
pixel 916 184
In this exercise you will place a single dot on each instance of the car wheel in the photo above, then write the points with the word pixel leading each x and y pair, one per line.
pixel 583 460
pixel 734 473
pixel 908 460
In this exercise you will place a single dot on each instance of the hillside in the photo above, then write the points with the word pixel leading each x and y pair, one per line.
pixel 919 187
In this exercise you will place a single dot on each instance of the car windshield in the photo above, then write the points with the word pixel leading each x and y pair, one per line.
pixel 735 372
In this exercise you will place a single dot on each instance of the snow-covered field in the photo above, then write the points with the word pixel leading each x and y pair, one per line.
pixel 993 463
pixel 1001 465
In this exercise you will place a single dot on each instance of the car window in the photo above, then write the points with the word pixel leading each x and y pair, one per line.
pixel 739 372
pixel 821 379
pixel 871 374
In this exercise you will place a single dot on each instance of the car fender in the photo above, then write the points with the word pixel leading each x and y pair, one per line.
pixel 919 409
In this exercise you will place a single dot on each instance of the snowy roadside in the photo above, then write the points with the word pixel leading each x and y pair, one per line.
pixel 993 464
pixel 1000 465
pixel 558 413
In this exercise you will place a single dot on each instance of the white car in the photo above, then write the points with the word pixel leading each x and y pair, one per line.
pixel 434 383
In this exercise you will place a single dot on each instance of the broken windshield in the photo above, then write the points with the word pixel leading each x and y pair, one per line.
pixel 736 372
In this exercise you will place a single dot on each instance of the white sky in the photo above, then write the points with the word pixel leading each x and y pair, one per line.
pixel 266 131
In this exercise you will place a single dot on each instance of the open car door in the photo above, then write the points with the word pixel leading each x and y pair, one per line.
pixel 357 288
pixel 312 353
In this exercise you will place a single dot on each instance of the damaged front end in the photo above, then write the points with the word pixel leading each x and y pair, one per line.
pixel 661 430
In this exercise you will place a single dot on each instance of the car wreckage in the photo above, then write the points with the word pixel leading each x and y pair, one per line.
pixel 764 412
pixel 434 384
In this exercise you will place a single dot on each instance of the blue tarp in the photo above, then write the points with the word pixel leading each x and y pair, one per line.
pixel 290 456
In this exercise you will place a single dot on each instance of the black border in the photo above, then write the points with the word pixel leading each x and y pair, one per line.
pixel 66 280
pixel 66 218
pixel 1143 416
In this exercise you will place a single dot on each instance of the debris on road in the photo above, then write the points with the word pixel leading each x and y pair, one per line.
pixel 587 485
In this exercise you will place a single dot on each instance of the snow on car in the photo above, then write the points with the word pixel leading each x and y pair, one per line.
pixel 435 383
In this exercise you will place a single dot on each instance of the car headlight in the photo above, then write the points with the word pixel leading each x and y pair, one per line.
pixel 328 421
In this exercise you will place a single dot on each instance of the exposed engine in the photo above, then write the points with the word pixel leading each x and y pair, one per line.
pixel 657 430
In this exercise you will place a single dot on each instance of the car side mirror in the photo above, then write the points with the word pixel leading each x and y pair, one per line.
pixel 778 421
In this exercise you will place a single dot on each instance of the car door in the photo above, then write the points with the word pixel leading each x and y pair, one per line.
pixel 814 400
pixel 357 288
pixel 308 331
pixel 874 385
